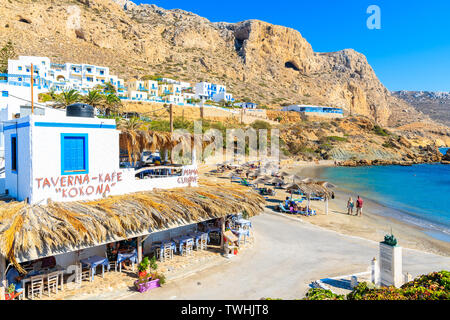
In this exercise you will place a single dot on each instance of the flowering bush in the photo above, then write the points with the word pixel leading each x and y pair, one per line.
pixel 433 286
pixel 322 294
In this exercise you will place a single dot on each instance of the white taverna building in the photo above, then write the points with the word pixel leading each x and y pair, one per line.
pixel 66 158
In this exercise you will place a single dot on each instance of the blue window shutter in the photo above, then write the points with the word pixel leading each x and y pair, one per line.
pixel 74 153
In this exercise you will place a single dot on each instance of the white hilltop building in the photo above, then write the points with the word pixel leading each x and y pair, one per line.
pixel 59 77
pixel 211 91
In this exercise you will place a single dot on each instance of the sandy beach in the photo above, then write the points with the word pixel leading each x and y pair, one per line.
pixel 370 225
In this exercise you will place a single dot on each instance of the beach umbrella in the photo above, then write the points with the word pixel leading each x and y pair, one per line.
pixel 285 174
pixel 259 181
pixel 297 178
pixel 253 174
pixel 307 180
pixel 326 184
pixel 277 181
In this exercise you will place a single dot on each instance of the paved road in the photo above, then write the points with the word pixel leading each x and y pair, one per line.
pixel 287 256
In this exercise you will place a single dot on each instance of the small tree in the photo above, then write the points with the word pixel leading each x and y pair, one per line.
pixel 6 53
pixel 93 98
pixel 68 97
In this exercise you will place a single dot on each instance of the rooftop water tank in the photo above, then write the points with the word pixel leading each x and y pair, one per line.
pixel 80 110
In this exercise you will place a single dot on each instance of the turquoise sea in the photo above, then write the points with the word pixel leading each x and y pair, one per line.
pixel 419 194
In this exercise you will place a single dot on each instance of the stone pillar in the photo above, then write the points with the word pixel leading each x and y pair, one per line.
pixel 2 277
pixel 222 227
pixel 353 281
pixel 391 265
pixel 375 274
pixel 139 249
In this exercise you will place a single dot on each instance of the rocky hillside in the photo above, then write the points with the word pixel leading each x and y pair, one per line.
pixel 434 104
pixel 271 65
pixel 356 141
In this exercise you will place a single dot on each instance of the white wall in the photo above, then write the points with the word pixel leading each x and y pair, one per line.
pixel 39 160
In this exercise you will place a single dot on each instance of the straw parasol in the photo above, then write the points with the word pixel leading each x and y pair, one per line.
pixel 285 174
pixel 29 232
pixel 260 180
pixel 277 181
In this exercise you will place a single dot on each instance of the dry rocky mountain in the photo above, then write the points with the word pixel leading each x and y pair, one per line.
pixel 434 104
pixel 269 64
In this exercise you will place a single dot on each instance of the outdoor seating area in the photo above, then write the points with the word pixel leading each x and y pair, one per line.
pixel 45 277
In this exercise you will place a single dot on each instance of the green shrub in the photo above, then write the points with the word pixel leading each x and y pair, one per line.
pixel 380 131
pixel 336 138
pixel 322 294
pixel 259 124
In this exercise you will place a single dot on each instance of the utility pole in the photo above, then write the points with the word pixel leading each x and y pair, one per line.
pixel 201 109
pixel 31 83
pixel 171 117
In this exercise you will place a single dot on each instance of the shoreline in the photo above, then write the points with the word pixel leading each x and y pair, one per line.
pixel 373 225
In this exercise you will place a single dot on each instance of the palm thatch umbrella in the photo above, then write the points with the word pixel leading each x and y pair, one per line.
pixel 252 174
pixel 285 174
pixel 28 232
pixel 260 180
pixel 313 188
pixel 277 181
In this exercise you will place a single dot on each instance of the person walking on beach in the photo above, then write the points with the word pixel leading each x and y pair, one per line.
pixel 359 206
pixel 350 206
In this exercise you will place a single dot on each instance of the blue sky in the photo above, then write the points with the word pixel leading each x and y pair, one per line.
pixel 411 51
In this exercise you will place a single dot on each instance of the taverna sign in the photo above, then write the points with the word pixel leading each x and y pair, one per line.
pixel 75 186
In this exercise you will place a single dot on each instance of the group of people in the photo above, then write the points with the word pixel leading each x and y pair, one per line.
pixel 293 207
pixel 351 205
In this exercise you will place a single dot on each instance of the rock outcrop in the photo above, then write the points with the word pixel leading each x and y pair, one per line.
pixel 271 65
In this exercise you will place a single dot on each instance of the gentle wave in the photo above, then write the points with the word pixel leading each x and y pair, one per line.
pixel 419 194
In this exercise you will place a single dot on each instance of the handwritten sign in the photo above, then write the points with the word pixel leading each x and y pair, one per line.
pixel 188 176
pixel 74 186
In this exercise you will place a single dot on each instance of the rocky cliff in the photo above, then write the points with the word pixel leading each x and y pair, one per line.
pixel 434 104
pixel 271 65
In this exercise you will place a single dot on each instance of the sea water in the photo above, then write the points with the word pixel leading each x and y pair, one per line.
pixel 419 194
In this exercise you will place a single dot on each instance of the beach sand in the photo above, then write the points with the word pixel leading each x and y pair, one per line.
pixel 370 225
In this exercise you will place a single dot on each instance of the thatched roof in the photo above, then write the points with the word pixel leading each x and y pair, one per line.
pixel 31 231
pixel 310 188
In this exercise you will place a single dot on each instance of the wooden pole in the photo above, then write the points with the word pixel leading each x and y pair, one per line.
pixel 139 249
pixel 308 202
pixel 222 226
pixel 171 117
pixel 31 84
pixel 201 110
pixel 2 277
pixel 326 205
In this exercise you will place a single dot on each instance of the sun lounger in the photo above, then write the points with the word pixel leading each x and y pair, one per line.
pixel 281 208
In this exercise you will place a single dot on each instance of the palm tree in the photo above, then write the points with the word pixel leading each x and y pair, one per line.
pixel 109 88
pixel 93 98
pixel 112 103
pixel 129 137
pixel 66 98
